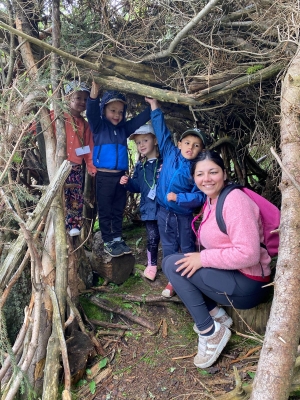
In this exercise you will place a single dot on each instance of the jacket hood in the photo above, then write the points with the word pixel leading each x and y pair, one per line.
pixel 115 96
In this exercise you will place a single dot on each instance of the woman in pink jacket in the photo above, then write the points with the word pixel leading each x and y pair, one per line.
pixel 231 269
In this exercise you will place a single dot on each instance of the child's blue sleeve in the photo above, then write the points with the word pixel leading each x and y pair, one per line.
pixel 162 133
pixel 133 184
pixel 134 123
pixel 93 115
pixel 194 199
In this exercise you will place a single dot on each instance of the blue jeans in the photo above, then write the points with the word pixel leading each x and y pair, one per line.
pixel 175 232
pixel 208 287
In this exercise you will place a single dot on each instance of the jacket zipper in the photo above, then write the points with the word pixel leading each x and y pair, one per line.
pixel 116 166
pixel 98 155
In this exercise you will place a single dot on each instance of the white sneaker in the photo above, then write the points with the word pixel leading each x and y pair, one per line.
pixel 210 347
pixel 74 232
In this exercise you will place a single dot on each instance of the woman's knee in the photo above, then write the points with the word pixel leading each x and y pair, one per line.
pixel 168 263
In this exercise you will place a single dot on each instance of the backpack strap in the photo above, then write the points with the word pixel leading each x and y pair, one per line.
pixel 220 203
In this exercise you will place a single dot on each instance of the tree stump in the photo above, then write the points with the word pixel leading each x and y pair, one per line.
pixel 254 319
pixel 113 269
pixel 80 349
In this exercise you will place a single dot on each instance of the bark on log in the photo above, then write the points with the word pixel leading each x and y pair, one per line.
pixel 283 329
pixel 254 319
pixel 113 269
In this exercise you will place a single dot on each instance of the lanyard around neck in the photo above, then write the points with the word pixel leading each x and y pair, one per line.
pixel 145 179
pixel 75 128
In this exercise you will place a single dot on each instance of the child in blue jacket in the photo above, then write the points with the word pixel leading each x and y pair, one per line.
pixel 144 181
pixel 110 132
pixel 177 195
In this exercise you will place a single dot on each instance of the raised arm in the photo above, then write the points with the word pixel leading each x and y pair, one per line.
pixel 93 109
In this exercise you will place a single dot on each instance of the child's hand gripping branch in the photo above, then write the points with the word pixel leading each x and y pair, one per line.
pixel 94 90
pixel 153 103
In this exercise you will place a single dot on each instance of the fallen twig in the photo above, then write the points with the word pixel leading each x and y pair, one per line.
pixel 183 357
pixel 110 325
pixel 251 351
pixel 117 310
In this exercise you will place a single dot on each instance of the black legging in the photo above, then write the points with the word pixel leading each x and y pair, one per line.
pixel 208 287
pixel 152 241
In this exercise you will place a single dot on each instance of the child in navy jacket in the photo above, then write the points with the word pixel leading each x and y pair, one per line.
pixel 177 195
pixel 144 181
pixel 110 132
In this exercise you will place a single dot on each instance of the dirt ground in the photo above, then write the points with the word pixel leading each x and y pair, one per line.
pixel 159 365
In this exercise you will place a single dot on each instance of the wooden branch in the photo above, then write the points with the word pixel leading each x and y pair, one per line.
pixel 293 180
pixel 110 325
pixel 85 392
pixel 57 323
pixel 110 82
pixel 19 341
pixel 91 335
pixel 231 86
pixel 16 251
pixel 146 299
pixel 117 310
pixel 24 364
pixel 180 35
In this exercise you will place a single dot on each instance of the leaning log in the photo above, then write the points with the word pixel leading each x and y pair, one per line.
pixel 16 251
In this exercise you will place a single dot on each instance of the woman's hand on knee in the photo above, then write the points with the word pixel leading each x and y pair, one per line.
pixel 189 264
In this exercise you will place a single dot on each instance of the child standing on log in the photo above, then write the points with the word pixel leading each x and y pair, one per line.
pixel 79 142
pixel 110 132
pixel 144 181
pixel 177 195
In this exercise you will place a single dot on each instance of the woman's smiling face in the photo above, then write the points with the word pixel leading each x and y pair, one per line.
pixel 209 178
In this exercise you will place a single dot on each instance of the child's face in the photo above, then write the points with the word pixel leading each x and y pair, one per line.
pixel 146 145
pixel 114 112
pixel 190 147
pixel 78 102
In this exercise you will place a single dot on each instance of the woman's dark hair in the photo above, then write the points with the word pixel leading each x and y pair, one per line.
pixel 208 155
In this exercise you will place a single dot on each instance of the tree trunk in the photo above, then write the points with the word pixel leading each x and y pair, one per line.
pixel 283 329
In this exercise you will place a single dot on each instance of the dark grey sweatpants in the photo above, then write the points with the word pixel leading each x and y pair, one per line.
pixel 209 287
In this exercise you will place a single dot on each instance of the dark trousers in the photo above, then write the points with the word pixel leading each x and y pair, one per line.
pixel 111 201
pixel 152 241
pixel 74 198
pixel 175 232
pixel 208 287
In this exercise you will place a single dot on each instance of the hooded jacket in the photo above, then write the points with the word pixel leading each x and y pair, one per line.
pixel 110 141
pixel 144 177
pixel 176 174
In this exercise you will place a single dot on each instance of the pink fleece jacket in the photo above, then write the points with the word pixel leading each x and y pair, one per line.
pixel 240 248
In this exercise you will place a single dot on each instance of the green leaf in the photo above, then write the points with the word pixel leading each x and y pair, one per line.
pixel 203 372
pixel 93 387
pixel 251 374
pixel 138 241
pixel 81 382
pixel 88 371
pixel 103 363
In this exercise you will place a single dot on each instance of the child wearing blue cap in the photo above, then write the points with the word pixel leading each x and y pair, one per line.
pixel 110 132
